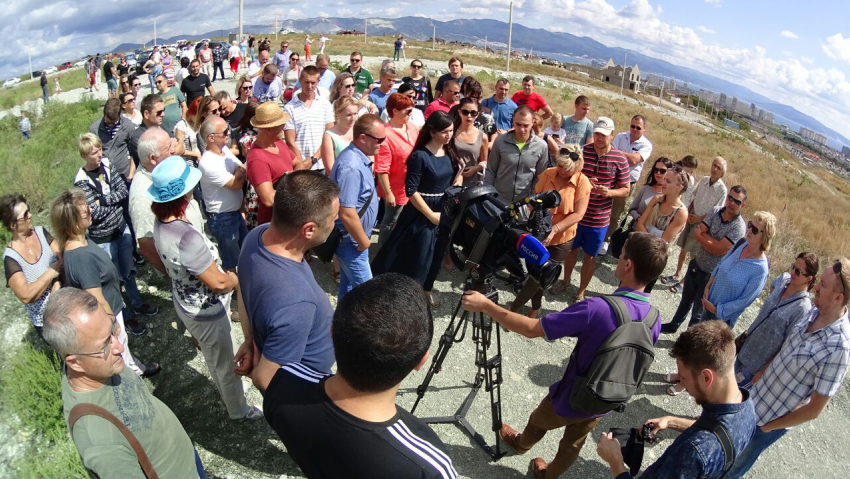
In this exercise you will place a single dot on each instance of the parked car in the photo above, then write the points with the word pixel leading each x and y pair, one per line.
pixel 36 73
pixel 131 59
pixel 11 81
pixel 140 62
pixel 80 63
pixel 200 44
pixel 65 66
pixel 50 70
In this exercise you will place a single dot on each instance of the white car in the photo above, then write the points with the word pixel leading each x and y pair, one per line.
pixel 11 81
pixel 80 63
pixel 50 70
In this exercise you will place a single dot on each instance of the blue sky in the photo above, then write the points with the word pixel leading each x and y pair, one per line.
pixel 797 53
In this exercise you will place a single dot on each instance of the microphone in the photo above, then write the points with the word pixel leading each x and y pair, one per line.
pixel 530 248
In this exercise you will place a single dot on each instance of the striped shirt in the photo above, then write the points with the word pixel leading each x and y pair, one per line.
pixel 808 363
pixel 309 124
pixel 612 171
pixel 326 441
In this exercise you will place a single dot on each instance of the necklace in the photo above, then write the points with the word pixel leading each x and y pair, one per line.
pixel 24 245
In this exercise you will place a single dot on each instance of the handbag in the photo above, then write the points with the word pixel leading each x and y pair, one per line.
pixel 86 409
pixel 742 338
pixel 619 237
pixel 327 250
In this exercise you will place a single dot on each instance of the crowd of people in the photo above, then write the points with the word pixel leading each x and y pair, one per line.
pixel 230 197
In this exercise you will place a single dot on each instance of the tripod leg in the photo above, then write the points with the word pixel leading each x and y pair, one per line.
pixel 446 340
pixel 494 386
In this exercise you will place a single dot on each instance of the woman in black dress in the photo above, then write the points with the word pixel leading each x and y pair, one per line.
pixel 431 168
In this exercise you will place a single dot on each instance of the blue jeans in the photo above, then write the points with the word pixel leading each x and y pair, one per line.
pixel 353 266
pixel 121 252
pixel 152 79
pixel 44 93
pixel 229 230
pixel 758 444
pixel 201 473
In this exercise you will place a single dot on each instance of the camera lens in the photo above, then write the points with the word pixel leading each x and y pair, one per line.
pixel 549 274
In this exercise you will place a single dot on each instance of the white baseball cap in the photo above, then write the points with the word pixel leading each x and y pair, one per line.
pixel 603 125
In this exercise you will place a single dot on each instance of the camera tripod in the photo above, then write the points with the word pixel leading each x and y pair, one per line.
pixel 488 369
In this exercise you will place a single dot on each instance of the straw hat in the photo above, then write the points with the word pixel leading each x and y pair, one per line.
pixel 269 115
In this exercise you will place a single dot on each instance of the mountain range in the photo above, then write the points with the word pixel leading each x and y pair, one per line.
pixel 540 40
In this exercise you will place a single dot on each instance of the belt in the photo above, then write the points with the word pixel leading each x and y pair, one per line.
pixel 432 195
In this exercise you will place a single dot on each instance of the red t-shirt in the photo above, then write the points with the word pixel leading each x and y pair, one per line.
pixel 612 171
pixel 533 101
pixel 263 167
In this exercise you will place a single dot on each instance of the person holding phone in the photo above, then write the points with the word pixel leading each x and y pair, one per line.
pixel 471 143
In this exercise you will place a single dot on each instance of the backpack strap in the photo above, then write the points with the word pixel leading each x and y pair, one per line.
pixel 620 311
pixel 722 435
pixel 86 409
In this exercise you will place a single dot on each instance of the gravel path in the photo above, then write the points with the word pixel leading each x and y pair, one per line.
pixel 233 450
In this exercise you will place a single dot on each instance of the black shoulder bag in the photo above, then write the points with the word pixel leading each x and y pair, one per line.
pixel 327 250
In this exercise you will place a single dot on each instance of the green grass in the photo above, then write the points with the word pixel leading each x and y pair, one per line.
pixel 31 90
pixel 41 167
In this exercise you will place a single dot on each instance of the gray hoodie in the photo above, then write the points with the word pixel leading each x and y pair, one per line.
pixel 513 172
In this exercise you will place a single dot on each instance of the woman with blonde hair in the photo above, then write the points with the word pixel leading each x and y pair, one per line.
pixel 208 107
pixel 243 89
pixel 344 86
pixel 338 137
pixel 574 187
pixel 90 268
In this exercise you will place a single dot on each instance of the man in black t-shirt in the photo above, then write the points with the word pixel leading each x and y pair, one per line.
pixel 348 425
pixel 193 85
pixel 109 76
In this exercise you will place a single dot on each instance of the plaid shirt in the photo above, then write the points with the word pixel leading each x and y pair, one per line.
pixel 807 363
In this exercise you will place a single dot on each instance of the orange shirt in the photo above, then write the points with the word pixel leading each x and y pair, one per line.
pixel 576 188
pixel 392 160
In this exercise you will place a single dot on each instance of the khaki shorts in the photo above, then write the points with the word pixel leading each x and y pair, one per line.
pixel 686 239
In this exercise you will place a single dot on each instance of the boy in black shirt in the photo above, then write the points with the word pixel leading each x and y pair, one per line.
pixel 348 425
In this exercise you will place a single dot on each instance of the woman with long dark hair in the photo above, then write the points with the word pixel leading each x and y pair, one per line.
pixel 471 143
pixel 412 248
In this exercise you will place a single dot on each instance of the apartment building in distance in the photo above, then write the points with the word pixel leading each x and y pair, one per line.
pixel 812 136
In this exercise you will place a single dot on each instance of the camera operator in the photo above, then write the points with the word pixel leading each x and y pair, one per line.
pixel 591 322
pixel 347 424
pixel 705 356
pixel 517 159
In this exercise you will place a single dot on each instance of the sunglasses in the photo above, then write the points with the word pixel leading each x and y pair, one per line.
pixel 635 127
pixel 734 200
pixel 453 92
pixel 130 100
pixel 159 112
pixel 226 132
pixel 27 215
pixel 354 60
pixel 407 111
pixel 245 87
pixel 158 82
pixel 663 171
pixel 125 83
pixel 415 66
pixel 377 140
pixel 472 113
pixel 350 85
pixel 291 59
pixel 837 269
pixel 573 155
pixel 797 271
pixel 137 84
pixel 753 228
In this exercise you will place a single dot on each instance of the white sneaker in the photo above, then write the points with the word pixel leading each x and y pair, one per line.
pixel 604 249
pixel 254 413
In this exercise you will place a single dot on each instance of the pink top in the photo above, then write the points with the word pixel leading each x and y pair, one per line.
pixel 437 105
pixel 392 160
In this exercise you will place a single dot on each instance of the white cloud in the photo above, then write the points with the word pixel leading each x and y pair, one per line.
pixel 807 60
pixel 714 2
pixel 344 12
pixel 323 15
pixel 837 47
pixel 706 30
pixel 789 34
pixel 474 10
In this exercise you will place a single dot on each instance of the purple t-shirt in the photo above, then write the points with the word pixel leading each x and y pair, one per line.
pixel 591 322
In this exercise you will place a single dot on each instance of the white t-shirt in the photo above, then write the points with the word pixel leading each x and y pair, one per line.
pixel 642 146
pixel 309 124
pixel 217 171
pixel 234 51
pixel 562 134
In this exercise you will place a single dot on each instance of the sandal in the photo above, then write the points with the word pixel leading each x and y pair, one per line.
pixel 669 280
pixel 432 300
pixel 336 277
pixel 672 391
pixel 676 288
pixel 668 378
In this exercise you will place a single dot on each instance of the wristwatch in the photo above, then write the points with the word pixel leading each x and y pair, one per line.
pixel 313 160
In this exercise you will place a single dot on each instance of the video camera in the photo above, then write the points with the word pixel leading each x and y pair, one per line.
pixel 490 234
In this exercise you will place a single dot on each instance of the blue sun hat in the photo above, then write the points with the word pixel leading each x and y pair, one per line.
pixel 172 179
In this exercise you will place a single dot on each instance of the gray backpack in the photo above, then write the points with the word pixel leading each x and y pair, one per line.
pixel 620 363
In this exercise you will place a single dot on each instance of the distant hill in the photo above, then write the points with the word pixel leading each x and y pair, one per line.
pixel 542 41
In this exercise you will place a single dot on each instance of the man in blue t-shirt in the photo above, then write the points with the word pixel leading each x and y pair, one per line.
pixel 500 106
pixel 591 322
pixel 282 309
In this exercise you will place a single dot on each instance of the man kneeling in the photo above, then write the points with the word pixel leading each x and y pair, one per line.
pixel 348 425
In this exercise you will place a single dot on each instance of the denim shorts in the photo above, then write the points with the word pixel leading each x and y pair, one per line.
pixel 229 230
pixel 589 239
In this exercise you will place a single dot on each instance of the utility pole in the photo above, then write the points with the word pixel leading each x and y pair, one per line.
pixel 510 31
pixel 29 55
pixel 623 78
pixel 485 44
pixel 154 33
pixel 276 27
pixel 661 92
pixel 365 29
pixel 434 38
pixel 239 38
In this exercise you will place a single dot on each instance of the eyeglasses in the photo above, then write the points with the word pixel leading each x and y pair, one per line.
pixel 415 66
pixel 349 85
pixel 837 269
pixel 734 200
pixel 291 59
pixel 354 60
pixel 635 127
pixel 472 113
pixel 407 111
pixel 453 92
pixel 663 171
pixel 125 83
pixel 137 84
pixel 248 87
pixel 158 82
pixel 129 100
pixel 797 271
pixel 573 155
pixel 27 215
pixel 225 133
pixel 753 228
pixel 159 112
pixel 377 140
pixel 113 333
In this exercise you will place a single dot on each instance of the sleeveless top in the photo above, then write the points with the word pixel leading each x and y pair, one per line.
pixel 339 142
pixel 469 154
pixel 32 271
pixel 663 221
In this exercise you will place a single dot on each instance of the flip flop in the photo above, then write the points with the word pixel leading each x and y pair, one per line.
pixel 672 391
pixel 676 288
pixel 668 378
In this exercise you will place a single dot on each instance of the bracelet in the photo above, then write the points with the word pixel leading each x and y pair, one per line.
pixel 556 229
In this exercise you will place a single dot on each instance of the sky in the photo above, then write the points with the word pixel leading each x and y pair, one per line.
pixel 793 53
